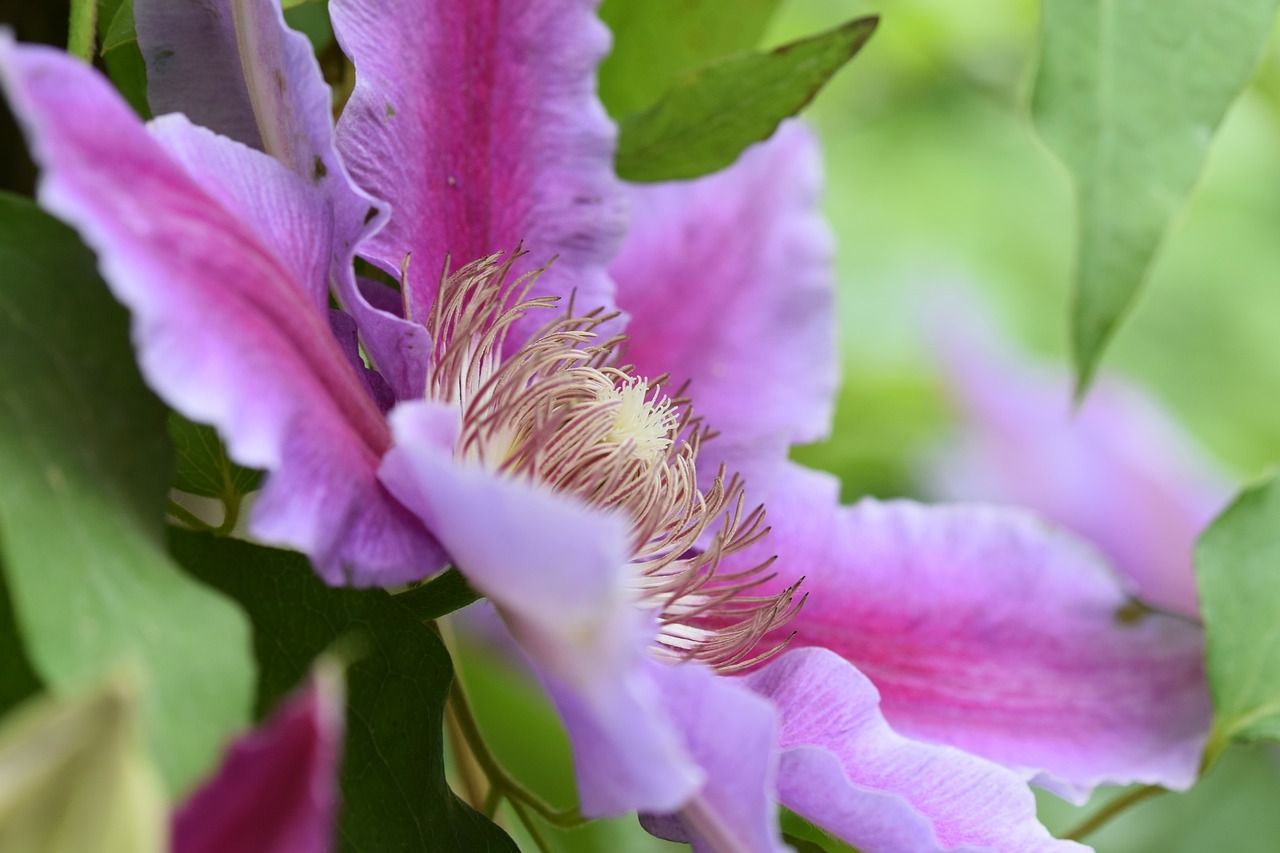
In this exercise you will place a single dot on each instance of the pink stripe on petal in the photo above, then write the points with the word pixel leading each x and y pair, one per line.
pixel 277 788
pixel 227 332
pixel 478 122
pixel 728 280
pixel 984 629
pixel 846 770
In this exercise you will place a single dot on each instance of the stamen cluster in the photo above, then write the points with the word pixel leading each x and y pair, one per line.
pixel 558 412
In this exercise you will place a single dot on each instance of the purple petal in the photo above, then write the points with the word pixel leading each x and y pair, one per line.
pixel 1117 472
pixel 731 734
pixel 198 55
pixel 479 123
pixel 984 629
pixel 845 770
pixel 557 572
pixel 728 281
pixel 227 328
pixel 277 788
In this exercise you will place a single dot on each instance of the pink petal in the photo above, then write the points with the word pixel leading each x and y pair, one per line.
pixel 984 629
pixel 728 280
pixel 227 327
pixel 277 789
pixel 198 55
pixel 846 770
pixel 557 572
pixel 1118 472
pixel 479 123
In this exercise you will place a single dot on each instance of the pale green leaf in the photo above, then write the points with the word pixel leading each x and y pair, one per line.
pixel 87 467
pixel 656 40
pixel 1238 574
pixel 1128 96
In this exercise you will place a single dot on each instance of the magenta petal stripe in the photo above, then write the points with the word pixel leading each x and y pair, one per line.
pixel 226 332
pixel 478 122
pixel 985 629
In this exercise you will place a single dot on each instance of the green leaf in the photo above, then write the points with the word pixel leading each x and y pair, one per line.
pixel 710 114
pixel 120 31
pixel 76 778
pixel 1127 96
pixel 394 792
pixel 439 596
pixel 86 471
pixel 1238 576
pixel 203 467
pixel 656 40
pixel 121 55
pixel 18 681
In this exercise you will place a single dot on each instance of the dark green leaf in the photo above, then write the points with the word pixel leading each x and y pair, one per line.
pixel 202 464
pixel 710 114
pixel 439 596
pixel 1238 575
pixel 1128 96
pixel 394 792
pixel 121 55
pixel 17 679
pixel 656 40
pixel 86 470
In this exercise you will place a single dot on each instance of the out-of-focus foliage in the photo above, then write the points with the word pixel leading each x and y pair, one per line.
pixel 77 779
pixel 86 466
pixel 1238 574
pixel 1128 95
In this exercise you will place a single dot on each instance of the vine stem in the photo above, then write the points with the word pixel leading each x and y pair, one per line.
pixel 498 777
pixel 1117 806
pixel 81 29
pixel 188 517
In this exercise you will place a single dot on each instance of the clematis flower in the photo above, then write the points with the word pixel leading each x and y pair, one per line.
pixel 496 428
pixel 945 654
pixel 1118 472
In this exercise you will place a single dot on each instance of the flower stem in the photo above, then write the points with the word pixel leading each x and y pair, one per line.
pixel 188 517
pixel 81 28
pixel 503 782
pixel 230 514
pixel 1104 815
pixel 539 840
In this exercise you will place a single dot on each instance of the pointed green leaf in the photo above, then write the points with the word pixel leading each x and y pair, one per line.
pixel 1128 95
pixel 120 30
pixel 76 778
pixel 1238 575
pixel 711 113
pixel 86 470
pixel 394 792
pixel 656 40
pixel 18 680
pixel 202 464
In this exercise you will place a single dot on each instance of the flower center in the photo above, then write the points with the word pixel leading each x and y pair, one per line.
pixel 559 412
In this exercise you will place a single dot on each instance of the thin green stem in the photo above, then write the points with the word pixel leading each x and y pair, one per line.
pixel 1117 806
pixel 539 840
pixel 499 778
pixel 230 515
pixel 82 28
pixel 188 517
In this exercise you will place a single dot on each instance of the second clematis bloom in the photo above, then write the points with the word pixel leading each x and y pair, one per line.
pixel 489 425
